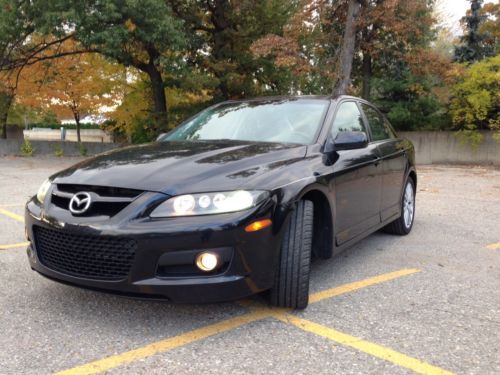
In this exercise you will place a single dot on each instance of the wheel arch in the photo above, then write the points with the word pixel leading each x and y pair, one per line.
pixel 413 175
pixel 323 222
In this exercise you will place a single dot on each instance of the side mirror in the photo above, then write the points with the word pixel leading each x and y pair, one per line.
pixel 347 141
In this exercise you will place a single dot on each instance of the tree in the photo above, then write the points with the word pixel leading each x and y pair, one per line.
pixel 474 46
pixel 73 86
pixel 348 48
pixel 29 34
pixel 475 104
pixel 221 35
pixel 318 42
pixel 390 31
pixel 130 120
pixel 490 27
pixel 143 34
pixel 6 100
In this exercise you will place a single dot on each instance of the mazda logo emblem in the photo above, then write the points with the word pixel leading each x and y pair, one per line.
pixel 80 203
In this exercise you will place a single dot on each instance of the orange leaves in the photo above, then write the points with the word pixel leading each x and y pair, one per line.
pixel 426 62
pixel 70 86
pixel 285 51
pixel 130 25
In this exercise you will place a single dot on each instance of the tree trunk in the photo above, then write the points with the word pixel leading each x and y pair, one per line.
pixel 159 99
pixel 6 100
pixel 367 75
pixel 76 116
pixel 222 49
pixel 347 51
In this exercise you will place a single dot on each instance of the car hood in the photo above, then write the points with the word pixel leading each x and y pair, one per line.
pixel 185 167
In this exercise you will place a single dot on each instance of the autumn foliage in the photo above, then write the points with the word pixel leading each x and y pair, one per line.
pixel 145 66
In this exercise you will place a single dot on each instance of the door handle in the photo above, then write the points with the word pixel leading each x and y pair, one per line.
pixel 376 161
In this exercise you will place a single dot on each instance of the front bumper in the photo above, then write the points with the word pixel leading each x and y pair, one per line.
pixel 250 268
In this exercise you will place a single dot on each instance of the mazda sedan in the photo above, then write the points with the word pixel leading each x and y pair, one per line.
pixel 233 202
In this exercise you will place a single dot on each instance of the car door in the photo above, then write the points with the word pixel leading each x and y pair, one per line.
pixel 393 164
pixel 357 181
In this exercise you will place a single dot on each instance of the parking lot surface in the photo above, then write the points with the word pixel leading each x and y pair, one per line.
pixel 426 303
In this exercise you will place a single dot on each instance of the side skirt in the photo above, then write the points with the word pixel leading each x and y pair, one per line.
pixel 353 241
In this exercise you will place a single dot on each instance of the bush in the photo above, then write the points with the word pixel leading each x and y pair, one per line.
pixel 410 103
pixel 27 148
pixel 83 150
pixel 58 151
pixel 50 125
pixel 476 100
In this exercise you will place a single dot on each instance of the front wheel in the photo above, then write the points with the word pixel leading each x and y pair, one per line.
pixel 402 226
pixel 291 286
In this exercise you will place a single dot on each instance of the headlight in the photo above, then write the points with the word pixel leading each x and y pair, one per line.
pixel 209 203
pixel 42 191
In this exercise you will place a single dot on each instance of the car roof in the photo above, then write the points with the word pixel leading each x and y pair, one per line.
pixel 290 97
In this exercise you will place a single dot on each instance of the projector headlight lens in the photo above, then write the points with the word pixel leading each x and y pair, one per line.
pixel 42 191
pixel 209 203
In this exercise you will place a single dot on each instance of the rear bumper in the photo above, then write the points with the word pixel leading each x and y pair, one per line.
pixel 249 270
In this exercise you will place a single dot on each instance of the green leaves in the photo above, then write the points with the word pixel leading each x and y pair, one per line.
pixel 476 98
pixel 130 31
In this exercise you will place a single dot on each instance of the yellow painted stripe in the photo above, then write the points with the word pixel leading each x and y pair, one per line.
pixel 12 215
pixel 165 345
pixel 258 313
pixel 375 350
pixel 346 288
pixel 14 245
pixel 494 246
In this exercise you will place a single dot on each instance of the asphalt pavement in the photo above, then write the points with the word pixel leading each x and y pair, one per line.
pixel 427 303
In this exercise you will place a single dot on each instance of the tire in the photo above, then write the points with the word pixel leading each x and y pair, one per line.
pixel 291 286
pixel 402 226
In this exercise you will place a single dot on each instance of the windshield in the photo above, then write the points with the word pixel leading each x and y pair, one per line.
pixel 280 121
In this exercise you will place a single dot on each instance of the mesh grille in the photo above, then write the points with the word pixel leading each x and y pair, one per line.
pixel 102 258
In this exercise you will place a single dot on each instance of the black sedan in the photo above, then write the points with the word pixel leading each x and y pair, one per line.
pixel 233 202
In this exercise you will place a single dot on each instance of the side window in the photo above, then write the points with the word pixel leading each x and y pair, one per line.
pixel 348 119
pixel 380 129
pixel 389 128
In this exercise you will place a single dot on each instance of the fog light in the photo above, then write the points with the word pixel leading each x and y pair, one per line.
pixel 207 261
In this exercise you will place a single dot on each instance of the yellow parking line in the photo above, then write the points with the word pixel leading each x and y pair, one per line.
pixel 14 245
pixel 201 333
pixel 373 349
pixel 165 345
pixel 494 246
pixel 12 215
pixel 346 288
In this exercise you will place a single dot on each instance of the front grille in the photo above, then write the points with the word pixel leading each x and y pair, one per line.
pixel 93 257
pixel 109 200
pixel 104 191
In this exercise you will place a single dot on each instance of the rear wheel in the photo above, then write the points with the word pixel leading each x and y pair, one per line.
pixel 402 226
pixel 291 286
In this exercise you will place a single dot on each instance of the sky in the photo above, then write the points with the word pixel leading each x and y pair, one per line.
pixel 450 12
